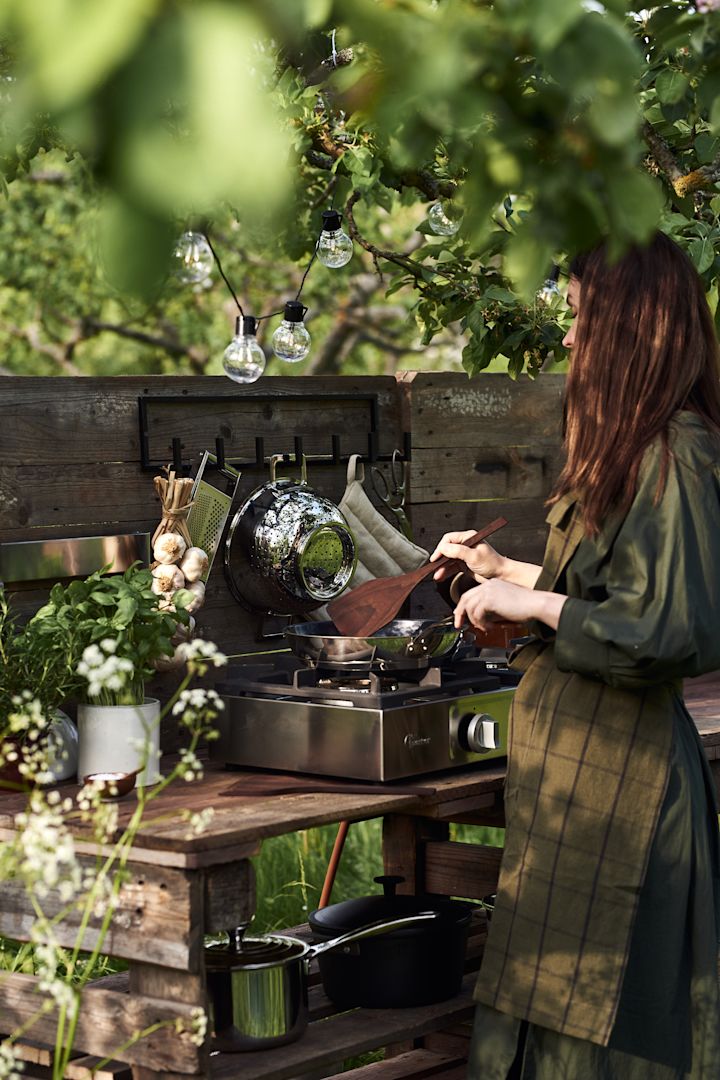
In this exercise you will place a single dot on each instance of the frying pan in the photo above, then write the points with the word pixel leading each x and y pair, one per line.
pixel 393 648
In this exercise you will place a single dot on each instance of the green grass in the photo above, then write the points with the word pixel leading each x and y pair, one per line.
pixel 291 869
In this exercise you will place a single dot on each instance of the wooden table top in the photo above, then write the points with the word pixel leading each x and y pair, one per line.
pixel 240 823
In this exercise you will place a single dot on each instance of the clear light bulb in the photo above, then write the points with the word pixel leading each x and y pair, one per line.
pixel 291 341
pixel 549 292
pixel 444 219
pixel 193 259
pixel 334 248
pixel 244 360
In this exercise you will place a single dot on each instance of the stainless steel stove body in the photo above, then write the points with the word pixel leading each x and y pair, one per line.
pixel 294 719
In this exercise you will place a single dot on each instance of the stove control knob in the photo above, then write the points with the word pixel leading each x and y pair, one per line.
pixel 479 733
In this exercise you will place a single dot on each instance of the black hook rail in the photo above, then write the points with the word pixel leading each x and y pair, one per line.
pixel 334 457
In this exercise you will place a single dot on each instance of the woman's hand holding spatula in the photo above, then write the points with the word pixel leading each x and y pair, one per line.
pixel 362 611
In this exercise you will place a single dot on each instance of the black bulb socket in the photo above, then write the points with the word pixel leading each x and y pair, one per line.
pixel 245 325
pixel 331 221
pixel 294 311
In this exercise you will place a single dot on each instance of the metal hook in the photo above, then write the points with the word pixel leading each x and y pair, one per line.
pixel 177 449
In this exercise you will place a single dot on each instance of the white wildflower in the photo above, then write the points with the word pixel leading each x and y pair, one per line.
pixel 198 821
pixel 197 700
pixel 47 850
pixel 204 651
pixel 10 1066
pixel 103 669
pixel 196 1029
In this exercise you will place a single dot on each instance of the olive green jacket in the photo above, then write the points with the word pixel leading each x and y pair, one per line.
pixel 591 735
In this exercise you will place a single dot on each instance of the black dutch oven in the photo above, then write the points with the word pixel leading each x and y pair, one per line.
pixel 416 965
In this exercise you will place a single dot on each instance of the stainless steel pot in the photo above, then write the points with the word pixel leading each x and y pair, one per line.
pixel 258 987
pixel 399 646
pixel 288 550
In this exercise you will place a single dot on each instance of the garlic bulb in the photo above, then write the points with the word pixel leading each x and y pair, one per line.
pixel 198 589
pixel 195 564
pixel 183 632
pixel 169 548
pixel 169 663
pixel 167 579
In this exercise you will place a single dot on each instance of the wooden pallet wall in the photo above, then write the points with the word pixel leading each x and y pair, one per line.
pixel 70 455
pixel 482 448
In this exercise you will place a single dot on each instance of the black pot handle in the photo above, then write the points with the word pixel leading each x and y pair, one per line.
pixel 389 883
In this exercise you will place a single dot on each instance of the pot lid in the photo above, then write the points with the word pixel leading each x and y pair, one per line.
pixel 351 914
pixel 232 950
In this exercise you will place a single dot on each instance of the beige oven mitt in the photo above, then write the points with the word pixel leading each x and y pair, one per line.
pixel 382 549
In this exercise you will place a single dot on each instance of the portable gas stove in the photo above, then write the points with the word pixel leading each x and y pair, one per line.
pixel 366 726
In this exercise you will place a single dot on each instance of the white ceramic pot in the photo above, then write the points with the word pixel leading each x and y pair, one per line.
pixel 62 751
pixel 112 738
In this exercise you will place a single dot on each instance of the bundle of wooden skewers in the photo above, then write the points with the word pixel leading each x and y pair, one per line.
pixel 176 563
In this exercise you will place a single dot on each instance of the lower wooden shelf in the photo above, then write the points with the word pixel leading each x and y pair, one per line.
pixel 331 1040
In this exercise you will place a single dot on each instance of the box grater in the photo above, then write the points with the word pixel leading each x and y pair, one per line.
pixel 210 509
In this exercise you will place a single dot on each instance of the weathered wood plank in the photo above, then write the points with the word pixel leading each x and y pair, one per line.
pixel 403 848
pixel 58 421
pixel 446 409
pixel 467 870
pixel 522 538
pixel 86 1068
pixel 157 917
pixel 80 1067
pixel 414 1065
pixel 229 895
pixel 107 1020
pixel 476 474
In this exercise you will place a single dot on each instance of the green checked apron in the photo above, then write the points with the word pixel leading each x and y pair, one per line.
pixel 604 934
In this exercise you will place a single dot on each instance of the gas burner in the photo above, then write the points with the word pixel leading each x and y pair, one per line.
pixel 368 684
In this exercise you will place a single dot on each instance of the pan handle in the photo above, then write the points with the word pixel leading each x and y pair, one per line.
pixel 369 931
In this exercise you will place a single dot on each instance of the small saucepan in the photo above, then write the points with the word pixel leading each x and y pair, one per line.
pixel 258 987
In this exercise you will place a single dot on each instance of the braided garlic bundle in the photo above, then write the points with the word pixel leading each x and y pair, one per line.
pixel 177 564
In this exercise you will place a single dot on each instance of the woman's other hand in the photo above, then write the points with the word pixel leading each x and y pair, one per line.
pixel 501 601
pixel 482 561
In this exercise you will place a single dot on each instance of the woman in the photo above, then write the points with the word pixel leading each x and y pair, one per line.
pixel 602 955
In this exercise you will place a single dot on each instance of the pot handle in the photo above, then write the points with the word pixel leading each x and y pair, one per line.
pixel 277 458
pixel 369 931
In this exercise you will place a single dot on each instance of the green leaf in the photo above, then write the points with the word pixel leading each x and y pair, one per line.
pixel 126 610
pixel 636 203
pixel 75 44
pixel 702 254
pixel 550 20
pixel 103 599
pixel 317 12
pixel 527 261
pixel 476 322
pixel 515 365
pixel 183 597
pixel 513 340
pixel 494 292
pixel 671 86
pixel 706 147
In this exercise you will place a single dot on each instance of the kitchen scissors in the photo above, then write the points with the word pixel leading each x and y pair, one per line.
pixel 392 495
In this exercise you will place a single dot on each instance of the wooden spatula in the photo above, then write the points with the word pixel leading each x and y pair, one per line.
pixel 362 611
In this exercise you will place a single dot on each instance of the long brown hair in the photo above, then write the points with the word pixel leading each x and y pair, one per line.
pixel 645 347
